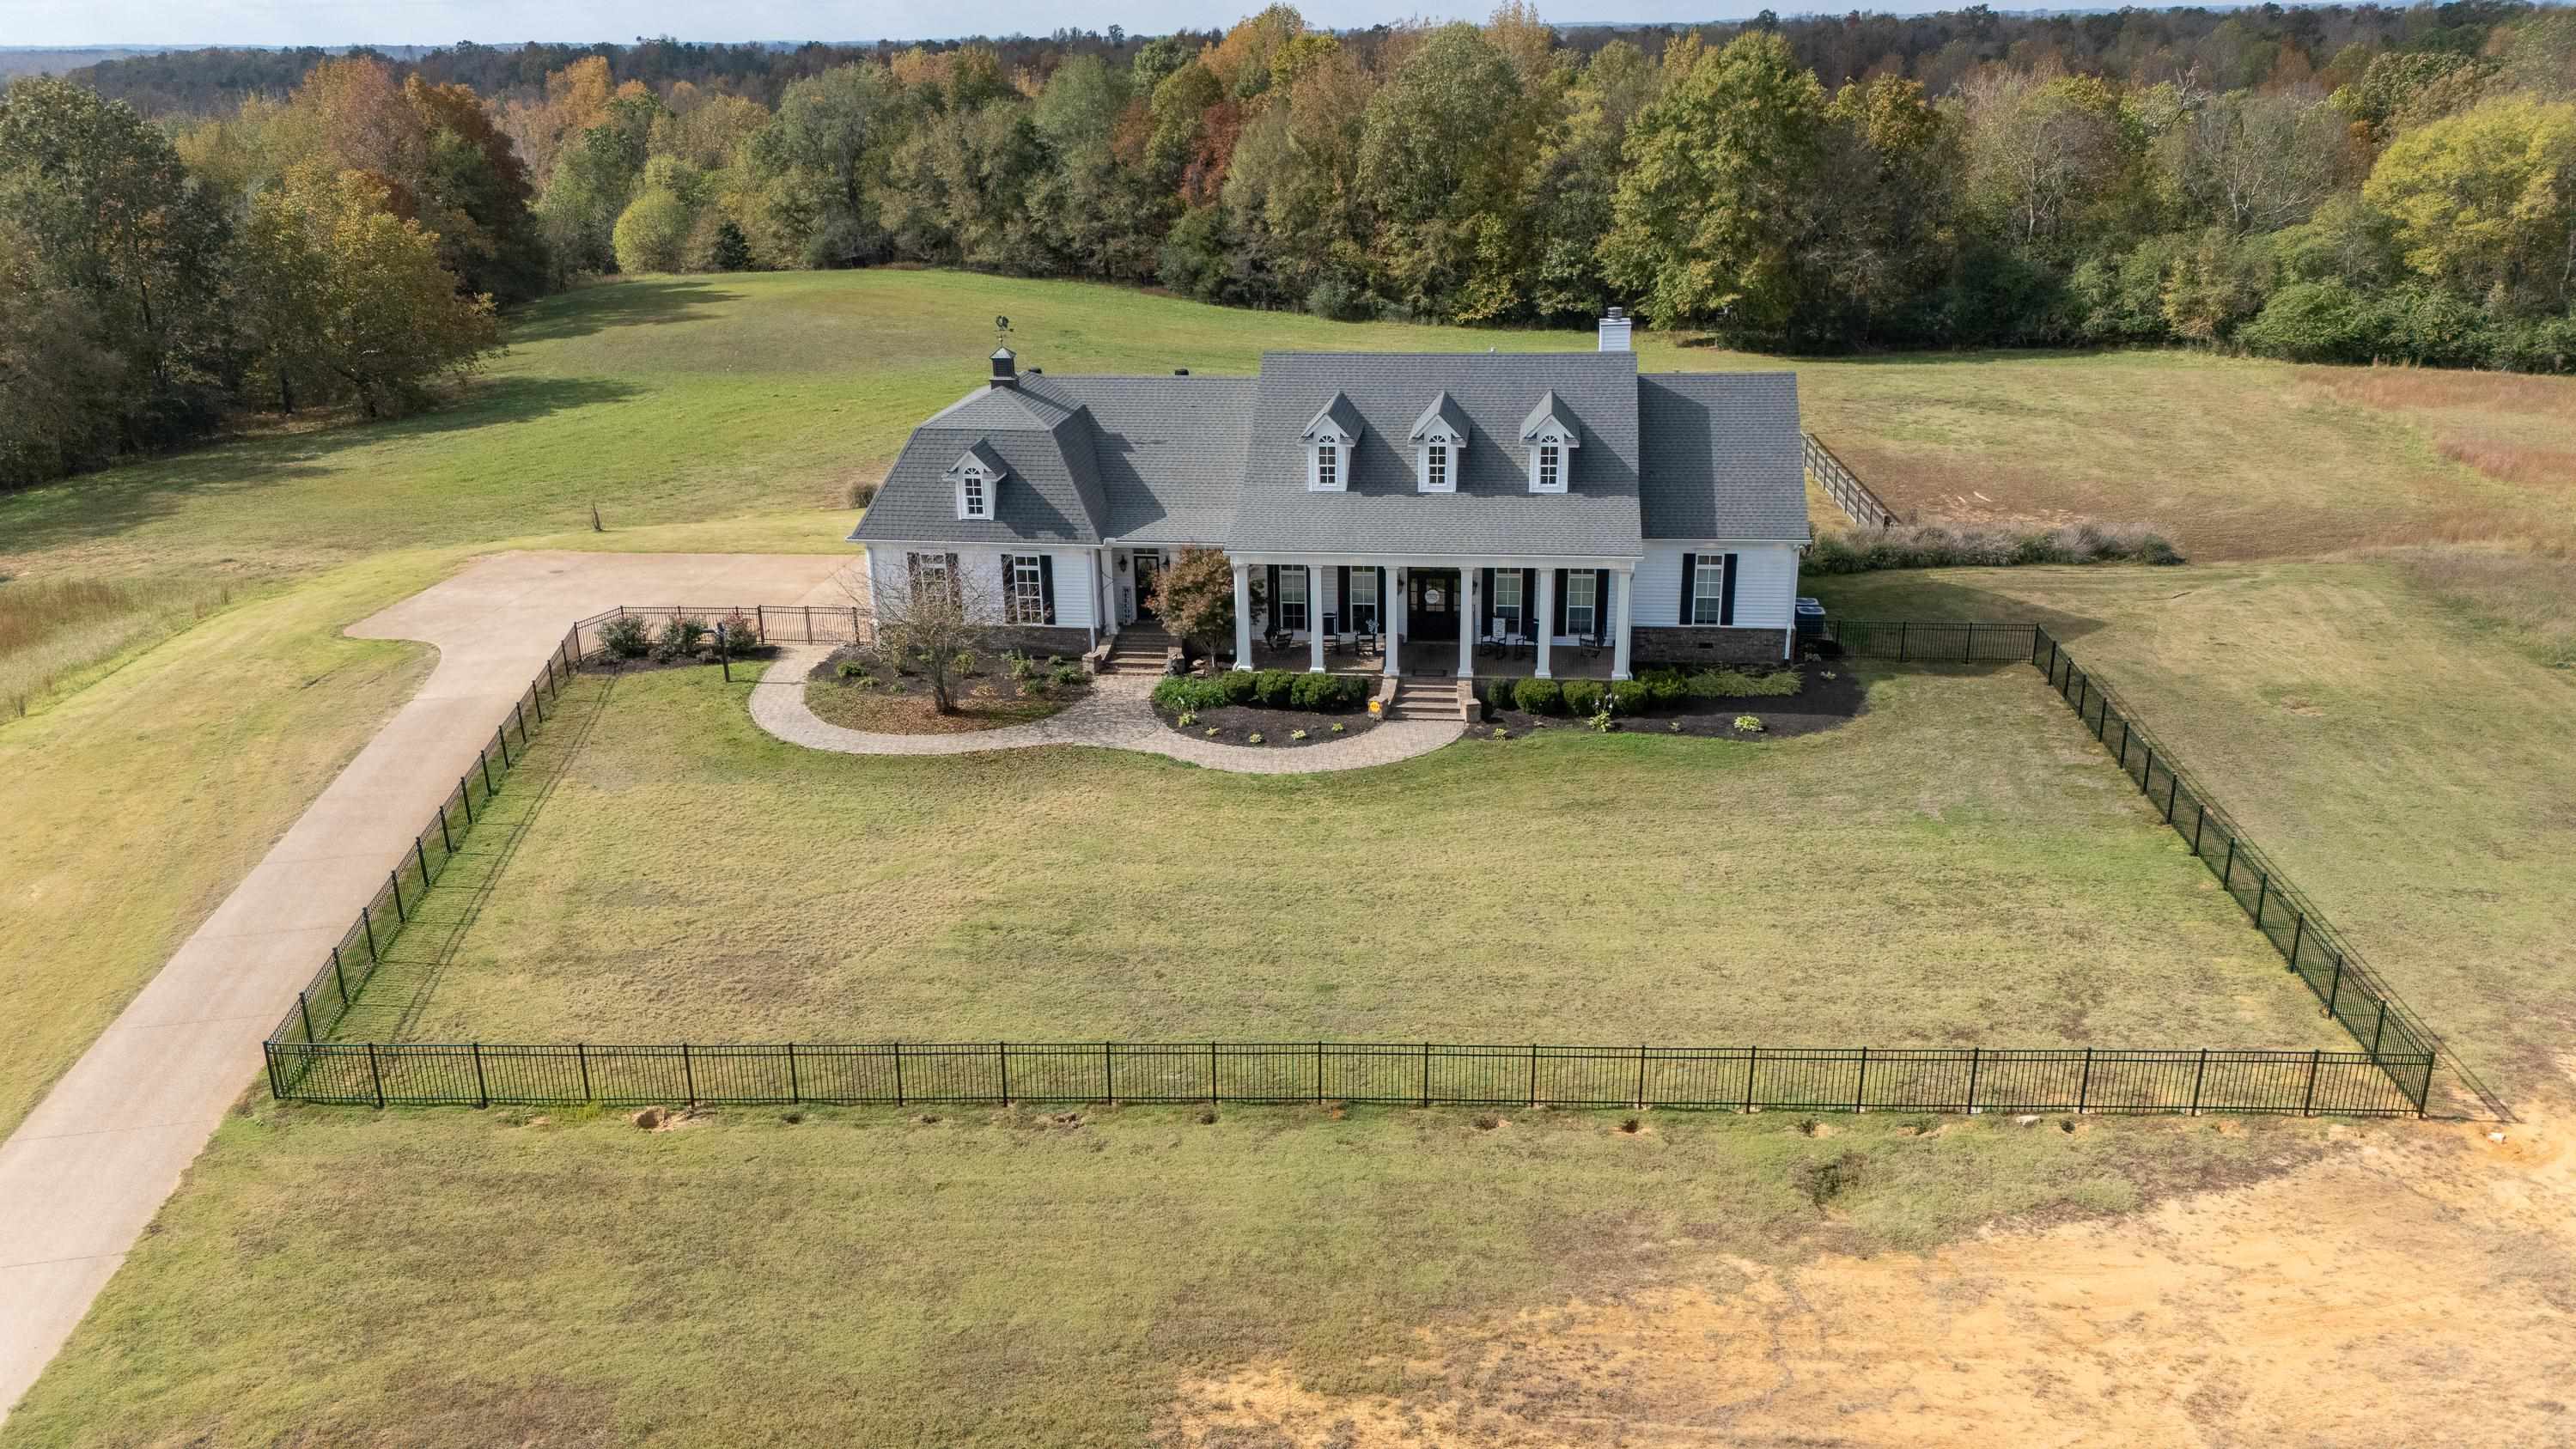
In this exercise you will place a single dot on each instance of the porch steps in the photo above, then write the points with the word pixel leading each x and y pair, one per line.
pixel 1420 698
pixel 1139 650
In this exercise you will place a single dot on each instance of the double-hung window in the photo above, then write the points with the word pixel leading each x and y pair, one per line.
pixel 1551 468
pixel 1582 610
pixel 1028 588
pixel 1435 468
pixel 930 577
pixel 1507 600
pixel 1708 592
pixel 1328 466
pixel 1362 604
pixel 975 502
pixel 1292 598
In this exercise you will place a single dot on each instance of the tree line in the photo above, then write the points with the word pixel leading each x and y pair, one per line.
pixel 2337 183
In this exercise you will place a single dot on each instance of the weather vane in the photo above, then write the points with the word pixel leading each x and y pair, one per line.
pixel 1001 331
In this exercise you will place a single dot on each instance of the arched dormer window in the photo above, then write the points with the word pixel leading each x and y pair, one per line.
pixel 977 476
pixel 1551 437
pixel 1439 445
pixel 1329 438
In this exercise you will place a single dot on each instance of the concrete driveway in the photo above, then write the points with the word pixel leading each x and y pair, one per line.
pixel 89 1167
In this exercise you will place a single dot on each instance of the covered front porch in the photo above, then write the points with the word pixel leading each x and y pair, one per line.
pixel 1438 659
pixel 1512 617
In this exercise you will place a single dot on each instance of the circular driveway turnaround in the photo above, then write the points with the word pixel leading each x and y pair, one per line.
pixel 1118 715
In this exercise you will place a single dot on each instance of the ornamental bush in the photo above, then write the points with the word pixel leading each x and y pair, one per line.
pixel 1537 696
pixel 626 637
pixel 679 638
pixel 1241 686
pixel 1583 697
pixel 1272 686
pixel 1184 693
pixel 1627 695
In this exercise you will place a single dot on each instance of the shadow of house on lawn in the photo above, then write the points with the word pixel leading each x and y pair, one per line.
pixel 99 505
pixel 1940 596
pixel 604 305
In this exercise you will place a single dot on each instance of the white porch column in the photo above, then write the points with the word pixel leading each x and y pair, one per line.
pixel 1390 619
pixel 1242 616
pixel 1620 579
pixel 1470 613
pixel 1314 616
pixel 1544 621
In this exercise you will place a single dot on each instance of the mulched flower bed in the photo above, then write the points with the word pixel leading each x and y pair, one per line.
pixel 755 658
pixel 1235 724
pixel 1824 704
pixel 987 699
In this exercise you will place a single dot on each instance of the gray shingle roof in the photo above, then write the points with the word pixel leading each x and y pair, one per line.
pixel 1443 409
pixel 1338 413
pixel 1722 456
pixel 1168 460
pixel 1493 510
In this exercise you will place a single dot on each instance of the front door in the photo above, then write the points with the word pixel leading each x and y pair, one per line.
pixel 1147 566
pixel 1431 602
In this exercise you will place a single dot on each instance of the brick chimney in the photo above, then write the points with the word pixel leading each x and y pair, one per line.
pixel 1614 331
pixel 1006 368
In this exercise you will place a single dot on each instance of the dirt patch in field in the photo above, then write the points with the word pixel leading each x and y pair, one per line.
pixel 2416 1280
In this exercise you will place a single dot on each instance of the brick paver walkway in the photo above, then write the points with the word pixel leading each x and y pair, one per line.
pixel 1117 716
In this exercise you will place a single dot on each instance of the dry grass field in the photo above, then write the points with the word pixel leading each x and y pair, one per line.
pixel 2366 660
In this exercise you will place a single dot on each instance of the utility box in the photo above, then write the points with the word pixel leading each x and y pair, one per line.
pixel 1811 618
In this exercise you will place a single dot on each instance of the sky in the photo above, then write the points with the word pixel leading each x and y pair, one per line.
pixel 436 22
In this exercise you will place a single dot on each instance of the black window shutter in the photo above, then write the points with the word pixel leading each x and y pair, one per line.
pixel 912 566
pixel 956 583
pixel 1342 596
pixel 1485 585
pixel 1556 625
pixel 1690 586
pixel 1010 612
pixel 1046 583
pixel 1726 592
pixel 1384 607
pixel 1274 598
pixel 1600 603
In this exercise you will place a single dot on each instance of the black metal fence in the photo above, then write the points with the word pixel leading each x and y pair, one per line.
pixel 1933 643
pixel 2392 1075
pixel 1812 1079
pixel 352 962
pixel 2353 994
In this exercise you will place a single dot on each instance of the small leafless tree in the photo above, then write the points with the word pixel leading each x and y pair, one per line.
pixel 942 609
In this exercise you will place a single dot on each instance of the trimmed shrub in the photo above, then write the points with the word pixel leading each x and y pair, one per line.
pixel 1582 696
pixel 1183 693
pixel 1538 696
pixel 626 637
pixel 1937 545
pixel 1271 687
pixel 1627 696
pixel 1666 686
pixel 1241 686
pixel 679 638
pixel 741 634
pixel 1731 683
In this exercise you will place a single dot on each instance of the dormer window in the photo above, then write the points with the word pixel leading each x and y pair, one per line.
pixel 977 476
pixel 1439 445
pixel 1550 433
pixel 1329 437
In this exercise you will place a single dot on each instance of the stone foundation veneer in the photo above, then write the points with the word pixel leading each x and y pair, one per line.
pixel 1708 646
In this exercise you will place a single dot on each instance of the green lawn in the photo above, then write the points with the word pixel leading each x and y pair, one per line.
pixel 2406 765
pixel 1959 866
pixel 862 1277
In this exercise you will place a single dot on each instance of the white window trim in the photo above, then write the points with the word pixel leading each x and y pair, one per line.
pixel 965 508
pixel 1341 480
pixel 1034 612
pixel 1517 610
pixel 1557 438
pixel 1456 454
pixel 1590 607
pixel 1305 600
pixel 1716 597
pixel 1362 576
